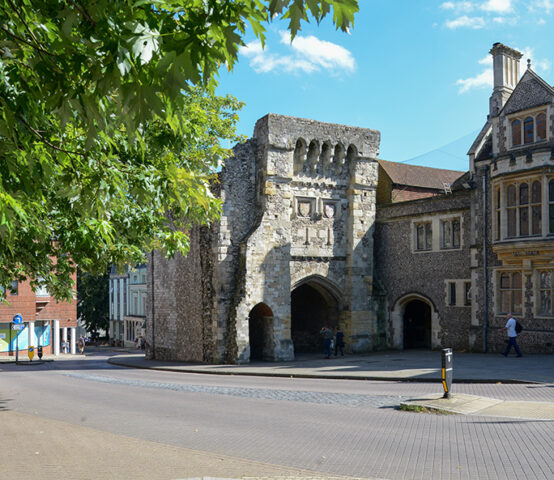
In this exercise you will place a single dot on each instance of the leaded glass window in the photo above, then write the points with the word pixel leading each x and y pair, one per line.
pixel 510 294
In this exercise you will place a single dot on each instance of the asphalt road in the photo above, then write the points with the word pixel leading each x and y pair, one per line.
pixel 335 427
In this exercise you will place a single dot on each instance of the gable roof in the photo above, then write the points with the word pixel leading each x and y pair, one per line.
pixel 531 91
pixel 417 176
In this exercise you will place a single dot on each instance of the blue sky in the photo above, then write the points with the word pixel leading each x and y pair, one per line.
pixel 418 71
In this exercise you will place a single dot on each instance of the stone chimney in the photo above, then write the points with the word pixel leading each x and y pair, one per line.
pixel 506 75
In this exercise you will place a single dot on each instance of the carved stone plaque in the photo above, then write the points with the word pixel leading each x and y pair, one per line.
pixel 304 208
pixel 329 210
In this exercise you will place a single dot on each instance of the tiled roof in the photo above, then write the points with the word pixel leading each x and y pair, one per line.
pixel 417 176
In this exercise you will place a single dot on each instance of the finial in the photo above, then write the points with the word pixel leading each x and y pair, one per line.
pixel 528 63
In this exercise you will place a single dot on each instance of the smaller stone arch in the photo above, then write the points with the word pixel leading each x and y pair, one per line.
pixel 312 157
pixel 300 152
pixel 325 157
pixel 339 158
pixel 414 315
pixel 261 332
pixel 351 157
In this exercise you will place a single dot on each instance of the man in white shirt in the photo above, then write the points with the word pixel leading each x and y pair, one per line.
pixel 512 335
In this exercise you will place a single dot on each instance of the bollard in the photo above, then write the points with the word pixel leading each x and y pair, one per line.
pixel 446 371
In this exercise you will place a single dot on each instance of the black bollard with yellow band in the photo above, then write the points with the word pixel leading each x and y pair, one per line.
pixel 447 371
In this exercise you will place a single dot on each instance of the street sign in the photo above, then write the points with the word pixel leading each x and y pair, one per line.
pixel 39 351
pixel 17 319
pixel 31 352
pixel 18 326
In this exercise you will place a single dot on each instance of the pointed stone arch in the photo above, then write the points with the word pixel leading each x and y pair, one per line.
pixel 260 332
pixel 415 322
pixel 315 302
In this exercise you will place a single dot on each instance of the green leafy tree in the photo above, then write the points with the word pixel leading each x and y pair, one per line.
pixel 108 121
pixel 92 301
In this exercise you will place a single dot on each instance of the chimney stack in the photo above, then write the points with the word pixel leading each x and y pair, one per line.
pixel 506 75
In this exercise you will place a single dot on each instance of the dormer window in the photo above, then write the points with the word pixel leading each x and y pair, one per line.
pixel 528 130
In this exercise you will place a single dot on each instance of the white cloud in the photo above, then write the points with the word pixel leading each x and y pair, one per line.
pixel 466 22
pixel 537 64
pixel 458 6
pixel 505 20
pixel 321 53
pixel 307 54
pixel 497 6
pixel 542 6
pixel 484 79
pixel 481 80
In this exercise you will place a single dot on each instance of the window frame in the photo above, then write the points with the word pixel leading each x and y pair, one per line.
pixel 534 121
pixel 509 291
pixel 426 227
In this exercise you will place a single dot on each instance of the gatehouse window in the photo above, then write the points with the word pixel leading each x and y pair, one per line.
pixel 523 210
pixel 467 293
pixel 424 236
pixel 546 286
pixel 528 130
pixel 498 226
pixel 541 126
pixel 450 233
pixel 516 132
pixel 510 293
pixel 551 206
pixel 452 294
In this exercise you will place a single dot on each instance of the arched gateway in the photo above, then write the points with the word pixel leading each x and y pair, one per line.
pixel 314 304
pixel 414 322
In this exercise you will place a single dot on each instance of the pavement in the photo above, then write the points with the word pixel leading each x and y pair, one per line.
pixel 399 366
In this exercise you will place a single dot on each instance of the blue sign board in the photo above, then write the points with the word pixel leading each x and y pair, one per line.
pixel 17 319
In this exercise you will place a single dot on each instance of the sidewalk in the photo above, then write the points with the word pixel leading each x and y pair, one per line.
pixel 413 366
pixel 405 366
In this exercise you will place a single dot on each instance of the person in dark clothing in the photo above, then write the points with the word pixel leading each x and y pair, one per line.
pixel 327 335
pixel 339 342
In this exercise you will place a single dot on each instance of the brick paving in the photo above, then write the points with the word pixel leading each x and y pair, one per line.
pixel 325 427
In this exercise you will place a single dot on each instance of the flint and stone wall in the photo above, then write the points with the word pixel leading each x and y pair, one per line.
pixel 298 206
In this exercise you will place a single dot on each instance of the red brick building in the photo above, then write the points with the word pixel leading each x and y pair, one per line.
pixel 47 322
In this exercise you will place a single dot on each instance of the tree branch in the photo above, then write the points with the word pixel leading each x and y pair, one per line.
pixel 82 11
pixel 38 44
pixel 15 37
pixel 46 142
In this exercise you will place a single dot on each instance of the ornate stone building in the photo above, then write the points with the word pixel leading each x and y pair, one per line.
pixel 315 231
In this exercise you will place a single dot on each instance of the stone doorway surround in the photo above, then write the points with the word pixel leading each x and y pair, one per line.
pixel 396 321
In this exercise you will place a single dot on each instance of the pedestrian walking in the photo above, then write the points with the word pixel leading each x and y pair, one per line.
pixel 327 335
pixel 512 335
pixel 339 342
pixel 81 344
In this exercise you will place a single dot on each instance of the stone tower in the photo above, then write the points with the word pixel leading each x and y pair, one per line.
pixel 293 250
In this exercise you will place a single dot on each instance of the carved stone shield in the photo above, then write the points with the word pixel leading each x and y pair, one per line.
pixel 304 209
pixel 329 210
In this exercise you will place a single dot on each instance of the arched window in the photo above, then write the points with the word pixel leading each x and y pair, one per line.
pixel 536 215
pixel 541 126
pixel 511 210
pixel 528 130
pixel 516 132
pixel 523 209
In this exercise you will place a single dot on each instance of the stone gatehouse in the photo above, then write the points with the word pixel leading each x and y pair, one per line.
pixel 316 231
pixel 293 251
